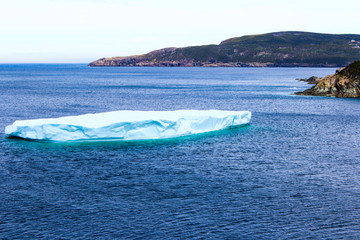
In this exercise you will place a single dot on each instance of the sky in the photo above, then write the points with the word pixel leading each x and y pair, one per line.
pixel 80 31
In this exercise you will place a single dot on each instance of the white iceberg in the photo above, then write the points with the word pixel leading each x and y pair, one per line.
pixel 127 125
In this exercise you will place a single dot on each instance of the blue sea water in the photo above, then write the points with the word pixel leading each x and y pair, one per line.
pixel 293 173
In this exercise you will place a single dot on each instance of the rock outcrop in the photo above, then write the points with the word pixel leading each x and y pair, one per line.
pixel 310 80
pixel 344 83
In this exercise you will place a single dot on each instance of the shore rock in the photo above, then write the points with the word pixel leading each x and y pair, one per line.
pixel 310 80
pixel 344 83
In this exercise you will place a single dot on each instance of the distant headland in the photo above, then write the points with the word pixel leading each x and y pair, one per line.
pixel 279 49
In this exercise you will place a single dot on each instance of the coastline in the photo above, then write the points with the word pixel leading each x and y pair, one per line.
pixel 122 63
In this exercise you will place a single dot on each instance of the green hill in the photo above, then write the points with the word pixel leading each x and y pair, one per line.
pixel 280 49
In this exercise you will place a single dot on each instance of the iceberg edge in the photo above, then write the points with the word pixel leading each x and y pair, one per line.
pixel 127 125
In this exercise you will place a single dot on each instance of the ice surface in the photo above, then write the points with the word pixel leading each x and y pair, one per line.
pixel 127 125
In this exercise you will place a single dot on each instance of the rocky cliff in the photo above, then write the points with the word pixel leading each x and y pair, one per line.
pixel 344 83
pixel 280 49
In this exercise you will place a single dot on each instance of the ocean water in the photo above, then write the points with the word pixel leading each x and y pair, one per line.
pixel 293 173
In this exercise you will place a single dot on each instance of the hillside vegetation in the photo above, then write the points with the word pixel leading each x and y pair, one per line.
pixel 300 49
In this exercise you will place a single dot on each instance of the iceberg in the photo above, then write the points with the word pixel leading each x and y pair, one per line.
pixel 127 125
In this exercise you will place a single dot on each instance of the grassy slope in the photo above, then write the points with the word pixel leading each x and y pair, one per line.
pixel 352 71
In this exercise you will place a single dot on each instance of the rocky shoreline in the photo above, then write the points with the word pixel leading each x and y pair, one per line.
pixel 344 83
pixel 136 62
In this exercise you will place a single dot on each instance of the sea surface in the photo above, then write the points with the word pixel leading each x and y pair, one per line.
pixel 293 173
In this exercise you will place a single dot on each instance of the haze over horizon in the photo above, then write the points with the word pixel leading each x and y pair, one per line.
pixel 79 31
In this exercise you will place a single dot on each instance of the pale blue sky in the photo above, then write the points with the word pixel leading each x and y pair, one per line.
pixel 85 30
